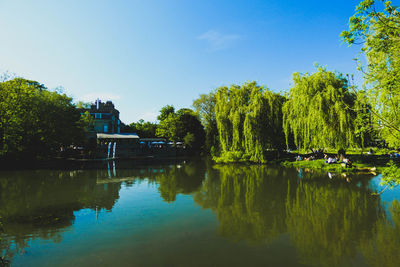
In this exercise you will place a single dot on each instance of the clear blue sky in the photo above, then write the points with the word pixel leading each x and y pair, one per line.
pixel 145 54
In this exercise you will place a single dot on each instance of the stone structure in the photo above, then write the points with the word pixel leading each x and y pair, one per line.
pixel 106 117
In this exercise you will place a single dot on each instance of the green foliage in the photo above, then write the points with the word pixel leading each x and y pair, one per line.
pixel 184 124
pixel 319 111
pixel 34 121
pixel 232 157
pixel 376 24
pixel 168 128
pixel 85 105
pixel 391 175
pixel 87 121
pixel 205 107
pixel 143 129
pixel 189 140
pixel 363 123
pixel 249 120
pixel 165 112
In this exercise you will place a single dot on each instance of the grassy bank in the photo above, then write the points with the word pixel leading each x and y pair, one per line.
pixel 361 163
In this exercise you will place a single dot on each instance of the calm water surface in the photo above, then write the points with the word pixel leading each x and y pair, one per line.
pixel 195 214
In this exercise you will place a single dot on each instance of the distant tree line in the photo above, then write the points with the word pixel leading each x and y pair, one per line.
pixel 181 126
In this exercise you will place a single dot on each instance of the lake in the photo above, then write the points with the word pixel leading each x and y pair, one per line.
pixel 195 213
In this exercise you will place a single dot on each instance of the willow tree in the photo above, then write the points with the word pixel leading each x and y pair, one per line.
pixel 249 121
pixel 376 25
pixel 319 112
pixel 263 124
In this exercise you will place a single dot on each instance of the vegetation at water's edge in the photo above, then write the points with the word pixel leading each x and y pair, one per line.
pixel 335 167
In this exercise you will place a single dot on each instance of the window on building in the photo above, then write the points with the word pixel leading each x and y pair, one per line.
pixel 97 115
pixel 106 128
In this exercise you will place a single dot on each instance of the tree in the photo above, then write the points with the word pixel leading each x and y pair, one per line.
pixel 319 111
pixel 376 25
pixel 165 112
pixel 183 123
pixel 249 121
pixel 167 128
pixel 87 121
pixel 363 124
pixel 205 107
pixel 143 129
pixel 34 121
pixel 85 105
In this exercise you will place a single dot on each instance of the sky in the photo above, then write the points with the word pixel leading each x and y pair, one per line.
pixel 143 55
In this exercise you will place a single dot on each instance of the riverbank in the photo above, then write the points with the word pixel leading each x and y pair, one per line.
pixel 334 167
pixel 372 164
pixel 362 163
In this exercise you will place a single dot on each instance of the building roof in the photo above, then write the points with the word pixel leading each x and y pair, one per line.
pixel 117 136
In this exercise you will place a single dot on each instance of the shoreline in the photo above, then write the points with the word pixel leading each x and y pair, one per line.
pixel 319 164
pixel 362 163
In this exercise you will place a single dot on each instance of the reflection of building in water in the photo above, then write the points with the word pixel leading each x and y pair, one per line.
pixel 41 204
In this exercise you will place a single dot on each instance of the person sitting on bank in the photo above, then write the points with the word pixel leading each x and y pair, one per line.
pixel 330 160
pixel 298 158
pixel 310 158
pixel 349 164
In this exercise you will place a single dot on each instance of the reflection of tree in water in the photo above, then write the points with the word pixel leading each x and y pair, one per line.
pixel 326 221
pixel 180 179
pixel 383 248
pixel 249 201
pixel 40 204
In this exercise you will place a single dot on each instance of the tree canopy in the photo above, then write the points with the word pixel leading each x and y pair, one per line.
pixel 183 125
pixel 376 25
pixel 34 121
pixel 319 111
pixel 249 120
pixel 205 107
pixel 144 129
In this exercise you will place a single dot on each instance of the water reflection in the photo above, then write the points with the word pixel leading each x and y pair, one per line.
pixel 41 204
pixel 330 221
pixel 326 220
pixel 248 206
pixel 382 248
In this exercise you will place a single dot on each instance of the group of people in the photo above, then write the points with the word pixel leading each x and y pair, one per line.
pixel 329 159
pixel 299 158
